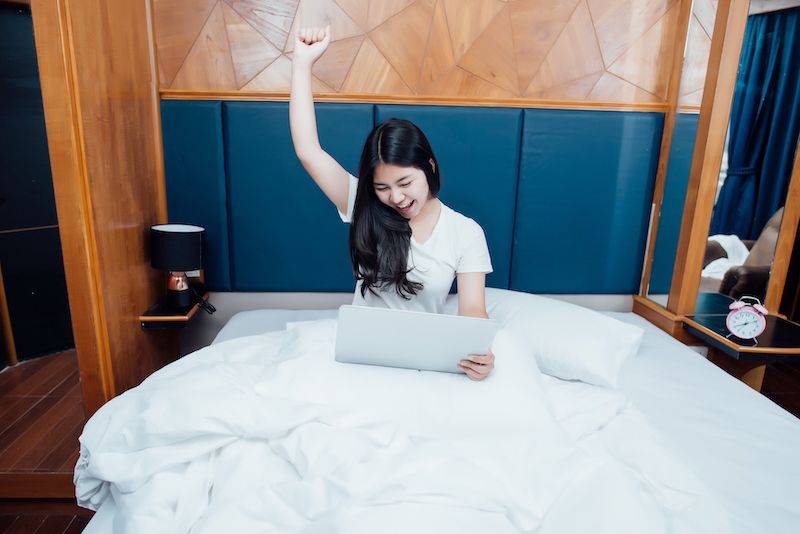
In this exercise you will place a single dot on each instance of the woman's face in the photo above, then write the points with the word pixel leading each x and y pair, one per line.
pixel 404 189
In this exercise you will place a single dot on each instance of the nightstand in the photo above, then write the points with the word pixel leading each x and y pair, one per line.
pixel 742 358
pixel 162 316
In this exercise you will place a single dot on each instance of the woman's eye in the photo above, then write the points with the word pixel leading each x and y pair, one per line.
pixel 405 184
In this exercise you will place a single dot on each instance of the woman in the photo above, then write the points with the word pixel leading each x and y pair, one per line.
pixel 405 245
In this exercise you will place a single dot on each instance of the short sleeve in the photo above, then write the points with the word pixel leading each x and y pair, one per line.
pixel 352 186
pixel 474 252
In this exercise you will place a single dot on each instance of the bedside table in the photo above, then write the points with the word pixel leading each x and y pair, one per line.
pixel 162 316
pixel 743 358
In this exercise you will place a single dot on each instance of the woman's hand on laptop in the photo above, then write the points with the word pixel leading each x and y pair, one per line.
pixel 478 366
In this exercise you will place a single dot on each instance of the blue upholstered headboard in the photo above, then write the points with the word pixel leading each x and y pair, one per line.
pixel 675 186
pixel 563 195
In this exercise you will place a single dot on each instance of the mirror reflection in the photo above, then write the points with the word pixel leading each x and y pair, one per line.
pixel 696 53
pixel 757 162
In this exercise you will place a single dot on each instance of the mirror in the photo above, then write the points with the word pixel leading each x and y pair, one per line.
pixel 757 161
pixel 667 222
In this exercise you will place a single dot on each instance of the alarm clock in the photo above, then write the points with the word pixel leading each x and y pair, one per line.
pixel 746 318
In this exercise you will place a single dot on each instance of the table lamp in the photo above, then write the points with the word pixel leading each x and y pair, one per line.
pixel 177 248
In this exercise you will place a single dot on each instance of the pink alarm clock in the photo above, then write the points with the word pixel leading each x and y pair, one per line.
pixel 746 318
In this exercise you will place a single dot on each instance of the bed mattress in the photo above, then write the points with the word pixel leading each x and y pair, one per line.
pixel 740 444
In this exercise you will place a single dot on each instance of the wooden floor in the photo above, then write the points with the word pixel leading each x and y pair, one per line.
pixel 41 417
pixel 42 517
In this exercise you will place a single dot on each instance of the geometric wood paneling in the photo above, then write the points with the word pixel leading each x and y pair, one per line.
pixel 577 89
pixel 619 23
pixel 368 14
pixel 574 55
pixel 439 56
pixel 334 65
pixel 611 86
pixel 467 20
pixel 272 19
pixel 535 26
pixel 402 39
pixel 342 26
pixel 250 52
pixel 379 12
pixel 457 81
pixel 491 56
pixel 536 49
pixel 209 63
pixel 177 23
pixel 372 73
pixel 641 64
pixel 276 77
pixel 706 13
pixel 695 64
pixel 698 48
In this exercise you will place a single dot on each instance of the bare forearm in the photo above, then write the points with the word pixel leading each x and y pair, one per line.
pixel 331 177
pixel 473 312
pixel 302 119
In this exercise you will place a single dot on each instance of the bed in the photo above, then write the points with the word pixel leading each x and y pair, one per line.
pixel 738 442
pixel 676 445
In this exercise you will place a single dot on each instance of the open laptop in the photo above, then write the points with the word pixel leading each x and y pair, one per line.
pixel 410 339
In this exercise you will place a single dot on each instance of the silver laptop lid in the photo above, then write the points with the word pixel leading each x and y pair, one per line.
pixel 410 339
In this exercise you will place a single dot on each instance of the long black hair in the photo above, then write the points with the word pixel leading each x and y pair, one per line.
pixel 379 236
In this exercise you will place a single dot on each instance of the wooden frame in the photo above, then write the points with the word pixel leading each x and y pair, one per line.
pixel 709 146
pixel 73 204
pixel 712 128
pixel 673 95
pixel 100 93
pixel 174 94
pixel 5 318
pixel 786 239
pixel 701 192
pixel 36 486
pixel 737 347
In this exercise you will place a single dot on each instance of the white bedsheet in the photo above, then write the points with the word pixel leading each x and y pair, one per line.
pixel 267 434
pixel 741 445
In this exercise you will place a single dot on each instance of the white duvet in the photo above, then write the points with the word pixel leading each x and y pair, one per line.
pixel 269 434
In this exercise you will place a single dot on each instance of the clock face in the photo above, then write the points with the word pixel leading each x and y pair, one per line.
pixel 745 323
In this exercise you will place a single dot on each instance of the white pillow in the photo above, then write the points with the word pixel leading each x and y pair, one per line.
pixel 569 341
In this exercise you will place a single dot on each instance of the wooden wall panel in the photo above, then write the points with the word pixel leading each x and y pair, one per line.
pixel 698 48
pixel 100 96
pixel 601 50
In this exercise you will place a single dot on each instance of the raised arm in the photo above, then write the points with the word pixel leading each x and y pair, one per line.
pixel 310 43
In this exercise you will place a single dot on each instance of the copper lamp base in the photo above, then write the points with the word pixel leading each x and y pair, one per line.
pixel 179 294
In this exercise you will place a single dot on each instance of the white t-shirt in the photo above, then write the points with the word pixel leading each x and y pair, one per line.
pixel 457 244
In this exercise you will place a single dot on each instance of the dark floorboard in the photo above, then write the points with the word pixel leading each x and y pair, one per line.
pixel 41 415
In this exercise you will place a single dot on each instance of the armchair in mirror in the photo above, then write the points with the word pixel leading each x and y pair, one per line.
pixel 758 159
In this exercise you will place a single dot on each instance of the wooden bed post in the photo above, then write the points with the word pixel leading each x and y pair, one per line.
pixel 100 91
pixel 723 63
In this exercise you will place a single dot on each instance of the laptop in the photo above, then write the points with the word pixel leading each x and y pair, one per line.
pixel 410 339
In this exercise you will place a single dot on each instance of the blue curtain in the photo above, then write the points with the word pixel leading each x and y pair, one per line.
pixel 764 124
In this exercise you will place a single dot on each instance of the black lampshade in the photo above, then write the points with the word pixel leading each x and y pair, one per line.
pixel 176 247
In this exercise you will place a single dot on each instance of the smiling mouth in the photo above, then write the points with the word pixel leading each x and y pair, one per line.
pixel 406 207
